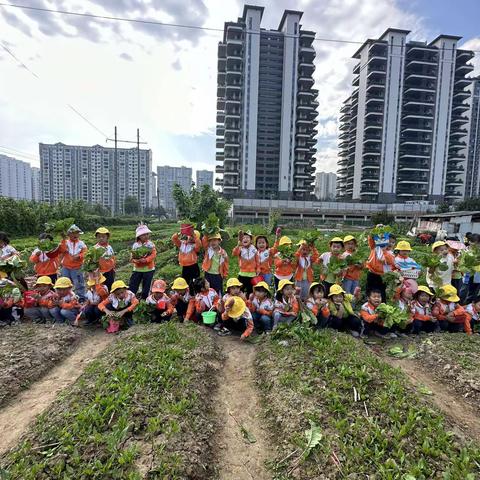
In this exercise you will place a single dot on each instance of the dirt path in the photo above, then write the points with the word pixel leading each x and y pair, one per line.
pixel 24 408
pixel 238 410
pixel 452 405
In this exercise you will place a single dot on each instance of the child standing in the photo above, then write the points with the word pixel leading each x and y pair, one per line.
pixel 265 258
pixel 46 263
pixel 306 256
pixel 284 266
pixel 144 263
pixel 261 306
pixel 351 277
pixel 44 296
pixel 450 315
pixel 336 249
pixel 318 304
pixel 215 262
pixel 408 267
pixel 97 292
pixel 247 260
pixel 188 249
pixel 107 260
pixel 163 306
pixel 423 320
pixel 342 317
pixel 371 319
pixel 436 277
pixel 65 305
pixel 286 305
pixel 206 299
pixel 182 300
pixel 119 307
pixel 73 250
pixel 472 310
pixel 237 317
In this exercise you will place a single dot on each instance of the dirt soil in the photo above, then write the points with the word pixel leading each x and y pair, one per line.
pixel 28 351
pixel 21 411
pixel 241 445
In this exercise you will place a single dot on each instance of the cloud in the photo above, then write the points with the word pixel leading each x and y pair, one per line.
pixel 473 44
pixel 177 65
pixel 126 56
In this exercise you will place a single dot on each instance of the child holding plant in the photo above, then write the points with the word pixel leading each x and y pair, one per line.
pixel 189 246
pixel 206 299
pixel 284 261
pixel 449 313
pixel 286 306
pixel 234 289
pixel 265 258
pixel 407 266
pixel 236 317
pixel 472 311
pixel 261 306
pixel 118 307
pixel 6 250
pixel 351 275
pixel 96 293
pixel 161 301
pixel 372 319
pixel 247 260
pixel 106 263
pixel 143 259
pixel 46 257
pixel 11 304
pixel 43 298
pixel 332 263
pixel 73 250
pixel 65 306
pixel 440 266
pixel 215 262
pixel 182 301
pixel 318 304
pixel 306 256
pixel 341 314
pixel 423 320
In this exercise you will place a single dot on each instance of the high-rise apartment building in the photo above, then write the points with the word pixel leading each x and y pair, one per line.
pixel 36 188
pixel 472 183
pixel 325 185
pixel 97 175
pixel 403 129
pixel 267 108
pixel 15 178
pixel 167 177
pixel 204 177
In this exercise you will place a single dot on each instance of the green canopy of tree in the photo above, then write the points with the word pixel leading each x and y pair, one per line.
pixel 469 204
pixel 131 205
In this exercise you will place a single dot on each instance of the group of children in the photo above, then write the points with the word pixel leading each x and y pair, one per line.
pixel 272 287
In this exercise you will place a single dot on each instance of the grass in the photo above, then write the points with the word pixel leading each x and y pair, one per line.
pixel 142 409
pixel 373 424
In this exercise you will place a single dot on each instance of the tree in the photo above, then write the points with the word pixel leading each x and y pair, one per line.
pixel 443 207
pixel 383 218
pixel 131 205
pixel 469 204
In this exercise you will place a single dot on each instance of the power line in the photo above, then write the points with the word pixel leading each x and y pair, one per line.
pixel 14 151
pixel 179 25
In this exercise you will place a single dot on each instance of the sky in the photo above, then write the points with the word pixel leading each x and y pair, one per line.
pixel 162 79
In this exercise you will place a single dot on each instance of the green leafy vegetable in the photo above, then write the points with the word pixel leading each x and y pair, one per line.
pixel 13 266
pixel 381 230
pixel 311 237
pixel 392 281
pixel 211 226
pixel 92 258
pixel 47 245
pixel 314 437
pixel 60 227
pixel 335 269
pixel 287 252
pixel 141 252
pixel 143 312
pixel 392 315
pixel 469 260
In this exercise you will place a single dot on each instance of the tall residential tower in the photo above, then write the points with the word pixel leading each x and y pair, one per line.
pixel 472 184
pixel 403 129
pixel 267 108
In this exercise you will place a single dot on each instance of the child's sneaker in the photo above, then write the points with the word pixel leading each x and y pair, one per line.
pixel 223 332
pixel 217 327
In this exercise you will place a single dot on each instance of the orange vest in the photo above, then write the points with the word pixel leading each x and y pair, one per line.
pixel 187 252
pixel 45 264
pixel 247 258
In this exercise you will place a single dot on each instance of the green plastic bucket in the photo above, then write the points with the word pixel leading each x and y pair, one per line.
pixel 209 317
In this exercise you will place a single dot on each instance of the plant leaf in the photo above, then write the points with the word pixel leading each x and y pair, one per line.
pixel 314 436
pixel 248 436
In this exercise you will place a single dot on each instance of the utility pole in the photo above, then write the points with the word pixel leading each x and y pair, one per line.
pixel 138 173
pixel 116 177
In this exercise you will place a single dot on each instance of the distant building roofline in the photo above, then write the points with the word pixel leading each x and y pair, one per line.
pixel 449 37
pixel 252 7
pixel 284 17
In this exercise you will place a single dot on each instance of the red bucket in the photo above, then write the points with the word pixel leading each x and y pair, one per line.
pixel 186 229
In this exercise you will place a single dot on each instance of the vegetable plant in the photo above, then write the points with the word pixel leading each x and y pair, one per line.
pixel 92 258
pixel 392 315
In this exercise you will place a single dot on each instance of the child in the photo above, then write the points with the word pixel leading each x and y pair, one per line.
pixel 206 299
pixel 472 311
pixel 237 317
pixel 234 289
pixel 423 320
pixel 247 260
pixel 380 261
pixel 408 267
pixel 143 267
pixel 46 263
pixel 44 296
pixel 351 277
pixel 286 305
pixel 284 267
pixel 341 314
pixel 188 249
pixel 65 306
pixel 11 303
pixel 183 302
pixel 73 250
pixel 96 293
pixel 163 306
pixel 336 248
pixel 261 306
pixel 318 304
pixel 107 260
pixel 371 320
pixel 119 307
pixel 436 277
pixel 265 258
pixel 215 262
pixel 450 315
pixel 454 248
pixel 6 250
pixel 306 256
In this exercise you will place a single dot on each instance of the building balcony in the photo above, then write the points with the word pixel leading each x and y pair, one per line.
pixel 417 62
pixel 414 75
pixel 458 132
pixel 219 157
pixel 462 81
pixel 220 143
pixel 221 104
pixel 464 69
pixel 220 130
pixel 220 117
pixel 459 119
pixel 373 83
pixel 414 167
pixel 412 116
pixel 414 155
pixel 219 182
pixel 460 108
pixel 455 168
pixel 219 169
pixel 413 89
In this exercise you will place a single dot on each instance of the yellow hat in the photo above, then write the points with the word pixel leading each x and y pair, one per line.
pixel 449 293
pixel 301 242
pixel 423 288
pixel 284 283
pixel 234 282
pixel 336 239
pixel 180 284
pixel 196 233
pixel 63 282
pixel 284 241
pixel 437 244
pixel 336 290
pixel 92 281
pixel 117 285
pixel 44 280
pixel 3 275
pixel 262 284
pixel 215 236
pixel 403 245
pixel 237 308
pixel 312 285
pixel 349 238
pixel 102 231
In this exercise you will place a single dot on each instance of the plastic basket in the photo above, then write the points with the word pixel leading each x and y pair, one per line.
pixel 186 229
pixel 413 273
pixel 209 317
